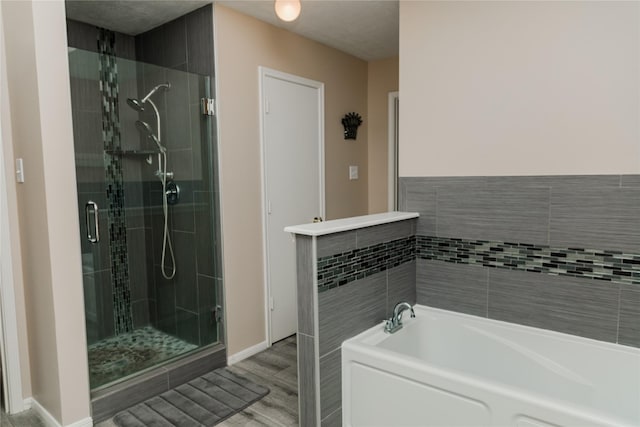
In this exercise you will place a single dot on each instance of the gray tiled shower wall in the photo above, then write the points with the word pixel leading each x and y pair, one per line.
pixel 361 302
pixel 183 306
pixel 555 252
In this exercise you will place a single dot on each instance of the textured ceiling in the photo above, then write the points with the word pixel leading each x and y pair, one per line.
pixel 129 16
pixel 367 29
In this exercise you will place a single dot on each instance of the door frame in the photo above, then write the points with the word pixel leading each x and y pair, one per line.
pixel 9 347
pixel 265 72
pixel 393 139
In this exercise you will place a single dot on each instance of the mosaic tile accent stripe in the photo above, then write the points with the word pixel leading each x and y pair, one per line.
pixel 340 269
pixel 611 266
pixel 108 68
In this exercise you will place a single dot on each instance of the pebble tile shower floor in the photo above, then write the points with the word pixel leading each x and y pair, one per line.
pixel 117 357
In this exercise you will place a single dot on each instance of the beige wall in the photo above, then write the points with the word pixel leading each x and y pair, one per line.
pixel 383 78
pixel 38 78
pixel 242 44
pixel 519 88
pixel 14 232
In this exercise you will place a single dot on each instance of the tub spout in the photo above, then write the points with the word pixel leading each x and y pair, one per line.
pixel 395 322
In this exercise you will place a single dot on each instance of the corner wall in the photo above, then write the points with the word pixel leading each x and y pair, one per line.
pixel 13 217
pixel 242 44
pixel 383 78
pixel 36 49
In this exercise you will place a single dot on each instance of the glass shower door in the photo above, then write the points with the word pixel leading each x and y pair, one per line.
pixel 148 212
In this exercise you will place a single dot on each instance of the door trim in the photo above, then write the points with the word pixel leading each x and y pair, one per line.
pixel 10 357
pixel 393 138
pixel 263 73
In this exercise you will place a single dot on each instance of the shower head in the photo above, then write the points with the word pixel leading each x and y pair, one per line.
pixel 138 104
pixel 135 104
pixel 145 128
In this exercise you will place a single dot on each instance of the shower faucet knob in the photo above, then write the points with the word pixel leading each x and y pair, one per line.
pixel 172 192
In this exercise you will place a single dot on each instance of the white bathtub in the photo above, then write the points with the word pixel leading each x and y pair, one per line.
pixel 451 369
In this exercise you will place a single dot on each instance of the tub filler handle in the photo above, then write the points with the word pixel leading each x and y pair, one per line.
pixel 394 324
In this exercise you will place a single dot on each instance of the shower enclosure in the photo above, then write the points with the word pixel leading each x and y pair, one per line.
pixel 148 202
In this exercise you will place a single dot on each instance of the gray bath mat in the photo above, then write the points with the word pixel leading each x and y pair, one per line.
pixel 205 401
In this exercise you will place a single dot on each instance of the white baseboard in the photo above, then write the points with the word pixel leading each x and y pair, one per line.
pixel 246 353
pixel 27 404
pixel 48 419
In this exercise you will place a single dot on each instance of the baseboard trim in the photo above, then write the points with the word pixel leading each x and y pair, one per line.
pixel 48 419
pixel 247 352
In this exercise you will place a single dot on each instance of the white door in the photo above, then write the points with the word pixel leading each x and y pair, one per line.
pixel 292 138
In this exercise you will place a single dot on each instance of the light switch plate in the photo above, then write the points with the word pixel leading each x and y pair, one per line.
pixel 19 170
pixel 353 172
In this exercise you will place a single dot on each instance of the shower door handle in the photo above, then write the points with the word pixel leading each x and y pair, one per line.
pixel 95 237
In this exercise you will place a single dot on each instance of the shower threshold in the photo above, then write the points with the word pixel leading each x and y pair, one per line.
pixel 111 398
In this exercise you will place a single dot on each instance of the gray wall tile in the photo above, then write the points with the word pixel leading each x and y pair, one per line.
pixel 420 198
pixel 173 41
pixel 370 236
pixel 126 46
pixel 401 285
pixel 136 248
pixel 333 420
pixel 183 214
pixel 500 214
pixel 82 36
pixel 178 118
pixel 330 383
pixel 583 307
pixel 140 311
pixel 185 281
pixel 565 182
pixel 629 330
pixel 200 41
pixel 307 355
pixel 305 285
pixel 456 287
pixel 335 243
pixel 630 180
pixel 596 219
pixel 187 326
pixel 206 243
pixel 348 310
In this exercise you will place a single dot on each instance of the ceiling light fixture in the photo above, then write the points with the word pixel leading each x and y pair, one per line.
pixel 288 10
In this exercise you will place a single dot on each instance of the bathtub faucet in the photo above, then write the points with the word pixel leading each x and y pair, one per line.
pixel 395 323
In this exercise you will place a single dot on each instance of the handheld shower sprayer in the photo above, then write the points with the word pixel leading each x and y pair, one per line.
pixel 145 128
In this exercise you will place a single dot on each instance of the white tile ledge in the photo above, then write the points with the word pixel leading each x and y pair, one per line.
pixel 346 224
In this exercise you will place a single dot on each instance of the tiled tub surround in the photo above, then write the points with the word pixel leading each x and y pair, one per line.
pixel 342 268
pixel 348 281
pixel 572 263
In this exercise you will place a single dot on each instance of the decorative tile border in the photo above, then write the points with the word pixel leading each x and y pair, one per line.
pixel 612 266
pixel 109 87
pixel 340 269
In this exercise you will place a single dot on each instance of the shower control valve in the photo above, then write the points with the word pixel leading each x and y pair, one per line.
pixel 173 193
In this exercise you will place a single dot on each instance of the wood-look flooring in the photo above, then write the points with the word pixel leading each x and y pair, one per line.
pixel 276 368
pixel 27 418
